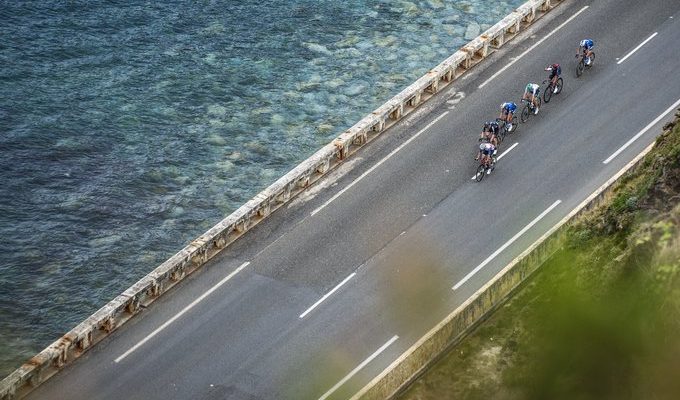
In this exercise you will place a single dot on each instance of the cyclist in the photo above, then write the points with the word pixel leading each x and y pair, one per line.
pixel 507 110
pixel 555 72
pixel 586 47
pixel 490 132
pixel 487 151
pixel 531 93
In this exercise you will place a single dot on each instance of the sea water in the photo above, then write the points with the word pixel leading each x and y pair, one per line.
pixel 128 128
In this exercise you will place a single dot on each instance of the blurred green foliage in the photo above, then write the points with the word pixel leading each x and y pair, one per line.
pixel 601 320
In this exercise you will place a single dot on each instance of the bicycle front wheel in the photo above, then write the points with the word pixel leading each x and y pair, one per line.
pixel 481 171
pixel 501 134
pixel 560 83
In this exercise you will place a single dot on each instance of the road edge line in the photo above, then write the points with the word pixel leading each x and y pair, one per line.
pixel 408 366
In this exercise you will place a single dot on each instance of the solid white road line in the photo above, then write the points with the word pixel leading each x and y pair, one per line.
pixel 327 295
pixel 507 151
pixel 502 155
pixel 532 47
pixel 378 164
pixel 642 132
pixel 508 243
pixel 179 314
pixel 358 368
pixel 637 48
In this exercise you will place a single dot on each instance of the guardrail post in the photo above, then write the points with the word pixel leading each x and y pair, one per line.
pixel 84 341
pixel 415 100
pixel 514 29
pixel 177 274
pixel 324 167
pixel 109 324
pixel 343 149
pixel 396 114
pixel 263 211
pixel 133 305
pixel 499 40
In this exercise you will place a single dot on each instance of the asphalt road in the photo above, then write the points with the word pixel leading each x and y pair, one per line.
pixel 398 233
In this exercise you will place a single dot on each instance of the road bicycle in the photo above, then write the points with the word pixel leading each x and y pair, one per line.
pixel 550 89
pixel 485 168
pixel 582 66
pixel 529 108
pixel 503 124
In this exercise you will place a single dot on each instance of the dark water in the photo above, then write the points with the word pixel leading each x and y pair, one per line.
pixel 128 128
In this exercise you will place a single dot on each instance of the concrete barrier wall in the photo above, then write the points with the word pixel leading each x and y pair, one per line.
pixel 146 290
pixel 456 325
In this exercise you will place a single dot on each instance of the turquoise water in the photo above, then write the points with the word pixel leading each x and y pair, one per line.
pixel 128 128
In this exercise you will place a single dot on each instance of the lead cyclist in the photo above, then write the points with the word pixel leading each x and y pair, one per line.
pixel 586 46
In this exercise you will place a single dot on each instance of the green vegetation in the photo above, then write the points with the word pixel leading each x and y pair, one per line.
pixel 601 319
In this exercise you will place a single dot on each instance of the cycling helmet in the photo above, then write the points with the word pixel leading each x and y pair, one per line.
pixel 529 87
pixel 556 66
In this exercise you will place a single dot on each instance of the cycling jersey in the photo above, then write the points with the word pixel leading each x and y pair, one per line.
pixel 509 107
pixel 555 70
pixel 587 44
pixel 487 148
pixel 491 126
pixel 532 88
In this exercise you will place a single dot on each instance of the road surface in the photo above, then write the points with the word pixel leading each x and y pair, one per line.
pixel 318 299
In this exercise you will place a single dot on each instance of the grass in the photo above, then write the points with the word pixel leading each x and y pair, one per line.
pixel 601 319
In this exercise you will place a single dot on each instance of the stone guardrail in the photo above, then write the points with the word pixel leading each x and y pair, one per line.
pixel 407 367
pixel 123 307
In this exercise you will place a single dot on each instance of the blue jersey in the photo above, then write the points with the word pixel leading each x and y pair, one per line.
pixel 587 44
pixel 509 106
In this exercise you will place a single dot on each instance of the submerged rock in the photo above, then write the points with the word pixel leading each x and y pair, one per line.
pixel 472 31
pixel 318 48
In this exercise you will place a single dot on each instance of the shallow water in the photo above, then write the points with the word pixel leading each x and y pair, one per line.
pixel 129 128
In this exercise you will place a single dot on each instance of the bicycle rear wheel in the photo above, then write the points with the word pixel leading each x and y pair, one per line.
pixel 525 114
pixel 579 67
pixel 547 93
pixel 481 171
pixel 560 83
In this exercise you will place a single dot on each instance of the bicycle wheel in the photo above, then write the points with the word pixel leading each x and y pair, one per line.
pixel 560 83
pixel 481 171
pixel 547 93
pixel 579 67
pixel 539 102
pixel 525 114
pixel 501 134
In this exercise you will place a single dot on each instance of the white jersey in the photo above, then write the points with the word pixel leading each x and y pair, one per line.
pixel 532 88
